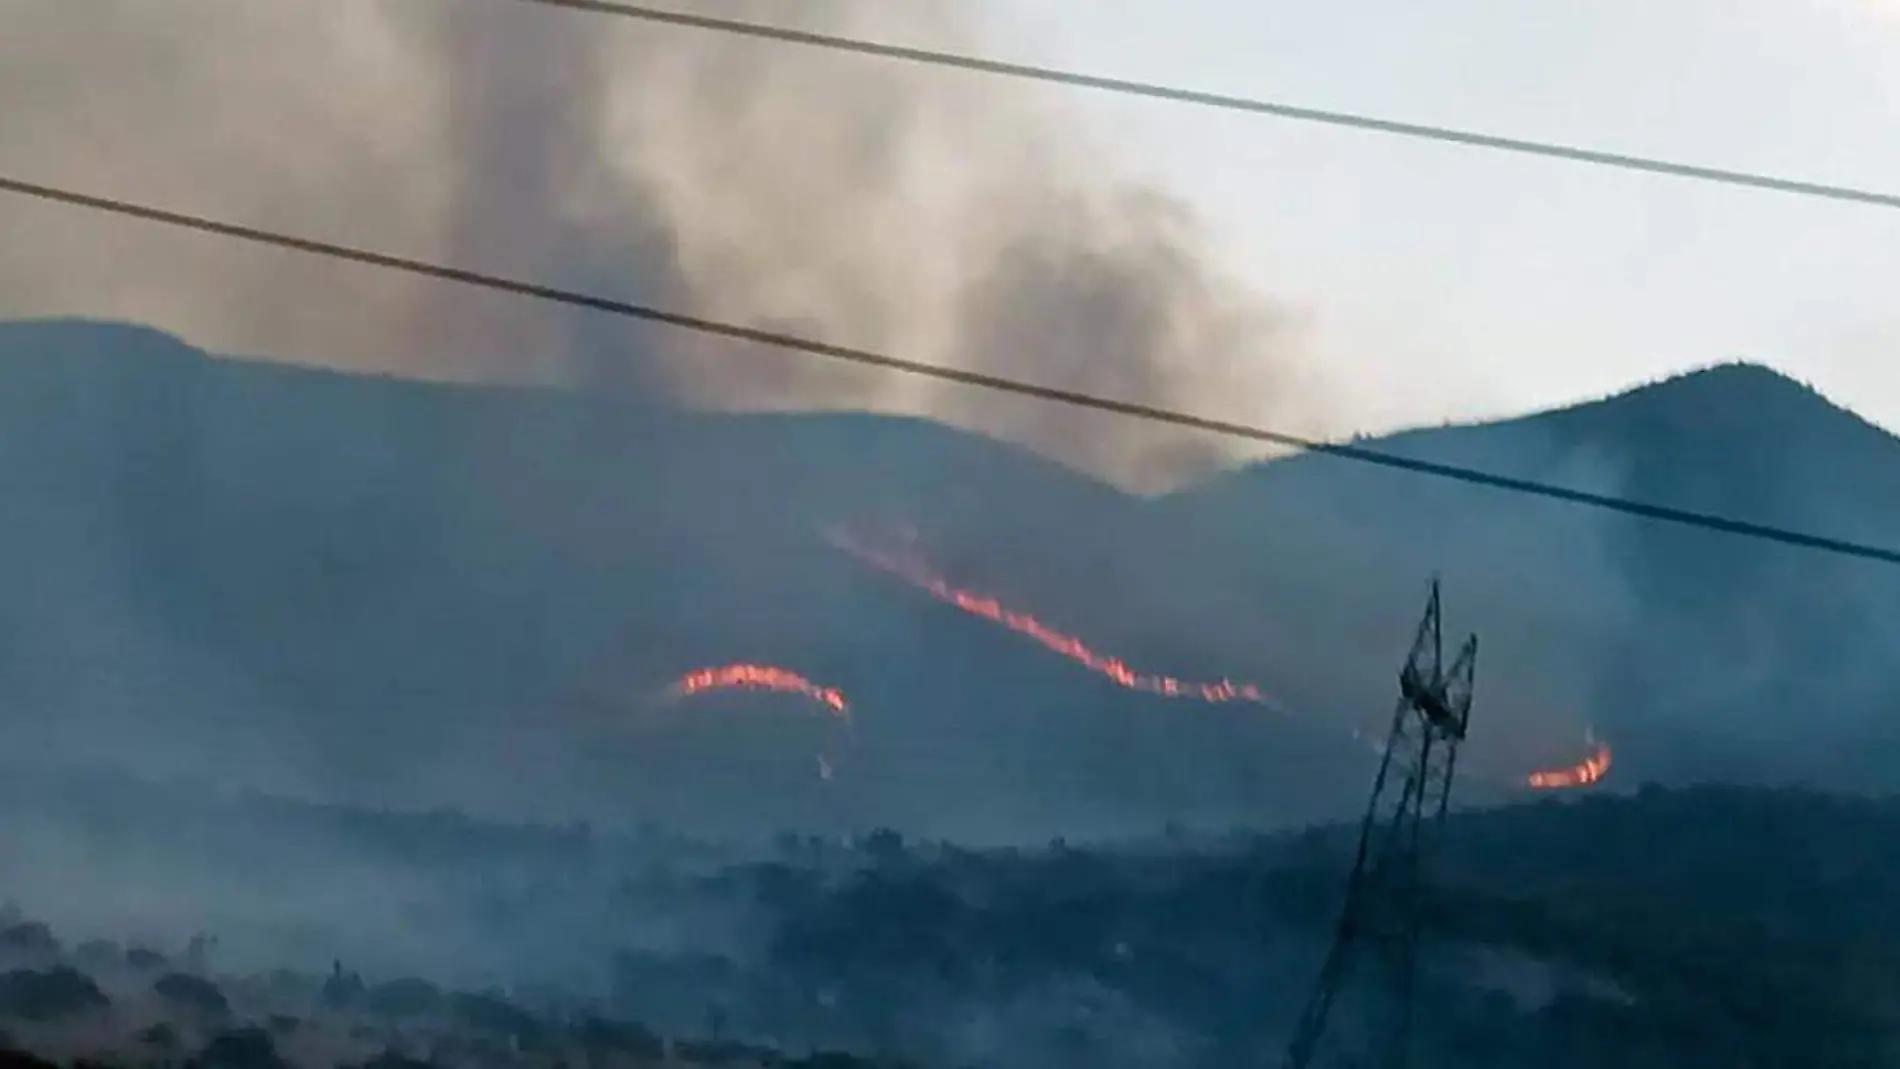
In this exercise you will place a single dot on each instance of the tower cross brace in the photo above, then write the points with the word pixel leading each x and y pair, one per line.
pixel 1403 820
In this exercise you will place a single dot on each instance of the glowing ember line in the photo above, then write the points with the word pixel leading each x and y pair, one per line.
pixel 921 575
pixel 1589 771
pixel 909 566
pixel 760 677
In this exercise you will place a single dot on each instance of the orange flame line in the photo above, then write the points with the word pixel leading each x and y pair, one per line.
pixel 912 569
pixel 1590 770
pixel 760 677
pixel 919 574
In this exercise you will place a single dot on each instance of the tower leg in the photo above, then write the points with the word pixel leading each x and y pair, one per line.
pixel 1410 795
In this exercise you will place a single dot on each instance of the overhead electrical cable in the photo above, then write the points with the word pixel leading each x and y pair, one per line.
pixel 1274 109
pixel 960 376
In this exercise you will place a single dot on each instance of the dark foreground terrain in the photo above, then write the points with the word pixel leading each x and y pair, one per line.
pixel 1669 928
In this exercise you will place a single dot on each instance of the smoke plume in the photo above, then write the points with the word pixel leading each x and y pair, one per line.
pixel 942 216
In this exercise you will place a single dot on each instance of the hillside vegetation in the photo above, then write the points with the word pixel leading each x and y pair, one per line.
pixel 1702 927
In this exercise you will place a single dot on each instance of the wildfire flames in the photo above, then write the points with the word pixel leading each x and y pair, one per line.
pixel 912 569
pixel 908 565
pixel 760 677
pixel 1589 771
pixel 765 677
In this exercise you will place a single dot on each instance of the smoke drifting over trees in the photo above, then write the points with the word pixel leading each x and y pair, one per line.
pixel 1661 930
pixel 876 204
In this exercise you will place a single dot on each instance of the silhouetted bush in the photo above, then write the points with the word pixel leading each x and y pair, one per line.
pixel 193 995
pixel 724 1052
pixel 342 990
pixel 161 1036
pixel 50 995
pixel 495 1015
pixel 599 1036
pixel 244 1048
pixel 885 846
pixel 30 942
pixel 829 1059
pixel 393 1059
pixel 19 1059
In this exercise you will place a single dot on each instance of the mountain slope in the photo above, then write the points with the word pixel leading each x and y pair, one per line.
pixel 1707 655
pixel 389 591
pixel 413 593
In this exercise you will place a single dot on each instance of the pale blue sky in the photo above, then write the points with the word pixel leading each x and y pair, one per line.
pixel 1443 282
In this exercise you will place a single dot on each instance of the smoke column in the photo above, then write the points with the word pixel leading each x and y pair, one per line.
pixel 950 218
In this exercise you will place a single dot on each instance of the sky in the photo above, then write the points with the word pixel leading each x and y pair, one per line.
pixel 1447 283
pixel 1321 281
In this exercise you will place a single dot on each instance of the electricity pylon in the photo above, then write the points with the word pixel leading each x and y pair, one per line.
pixel 1396 840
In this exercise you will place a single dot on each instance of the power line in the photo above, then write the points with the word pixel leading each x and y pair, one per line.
pixel 977 379
pixel 1293 112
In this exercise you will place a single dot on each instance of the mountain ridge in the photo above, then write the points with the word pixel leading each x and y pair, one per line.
pixel 278 547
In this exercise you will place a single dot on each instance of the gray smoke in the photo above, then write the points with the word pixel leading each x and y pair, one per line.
pixel 942 216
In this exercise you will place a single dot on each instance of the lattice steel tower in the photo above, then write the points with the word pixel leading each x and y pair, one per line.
pixel 1402 822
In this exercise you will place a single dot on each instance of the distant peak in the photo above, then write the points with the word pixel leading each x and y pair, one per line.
pixel 1731 374
pixel 1736 388
pixel 1739 403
